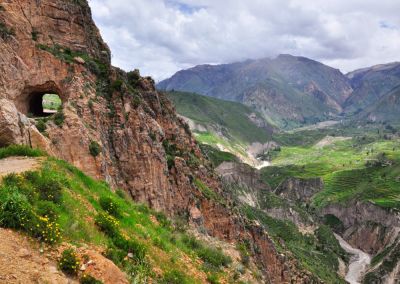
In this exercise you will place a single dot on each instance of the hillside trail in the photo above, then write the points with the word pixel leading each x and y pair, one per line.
pixel 359 262
pixel 18 165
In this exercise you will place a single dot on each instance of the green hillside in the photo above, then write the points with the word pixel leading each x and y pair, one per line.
pixel 60 207
pixel 232 118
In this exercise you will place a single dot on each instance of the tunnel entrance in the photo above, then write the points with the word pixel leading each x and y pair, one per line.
pixel 40 100
pixel 43 104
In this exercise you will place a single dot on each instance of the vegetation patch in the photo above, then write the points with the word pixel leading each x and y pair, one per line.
pixel 20 150
pixel 94 148
pixel 69 262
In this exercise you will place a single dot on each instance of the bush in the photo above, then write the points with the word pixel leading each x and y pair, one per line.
pixel 191 242
pixel 137 249
pixel 109 205
pixel 133 78
pixel 163 220
pixel 107 224
pixel 47 230
pixel 214 257
pixel 88 279
pixel 48 188
pixel 175 277
pixel 117 85
pixel 41 125
pixel 213 278
pixel 69 263
pixel 121 193
pixel 59 118
pixel 47 209
pixel 15 210
pixel 94 148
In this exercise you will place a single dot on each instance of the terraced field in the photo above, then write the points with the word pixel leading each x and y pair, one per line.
pixel 366 168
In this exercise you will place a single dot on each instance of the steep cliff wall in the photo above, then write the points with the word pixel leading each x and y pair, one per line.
pixel 53 46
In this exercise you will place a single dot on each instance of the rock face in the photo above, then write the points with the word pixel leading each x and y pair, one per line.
pixel 297 189
pixel 140 144
pixel 373 230
pixel 242 175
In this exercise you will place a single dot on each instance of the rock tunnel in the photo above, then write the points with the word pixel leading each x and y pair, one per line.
pixel 40 101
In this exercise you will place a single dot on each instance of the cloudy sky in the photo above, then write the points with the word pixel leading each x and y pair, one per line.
pixel 161 37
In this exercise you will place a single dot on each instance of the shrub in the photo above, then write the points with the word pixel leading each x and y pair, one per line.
pixel 41 125
pixel 69 263
pixel 47 230
pixel 15 210
pixel 107 224
pixel 174 277
pixel 163 220
pixel 244 253
pixel 212 278
pixel 133 77
pixel 120 193
pixel 191 242
pixel 47 209
pixel 94 148
pixel 137 249
pixel 49 188
pixel 115 254
pixel 117 85
pixel 109 205
pixel 88 279
pixel 214 257
pixel 59 118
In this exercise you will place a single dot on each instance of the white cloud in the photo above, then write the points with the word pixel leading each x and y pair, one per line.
pixel 161 37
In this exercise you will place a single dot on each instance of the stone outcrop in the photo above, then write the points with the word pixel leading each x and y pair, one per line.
pixel 144 147
pixel 297 189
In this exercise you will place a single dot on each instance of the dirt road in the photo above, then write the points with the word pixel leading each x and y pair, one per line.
pixel 18 165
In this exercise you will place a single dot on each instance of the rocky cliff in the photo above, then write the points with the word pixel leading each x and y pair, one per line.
pixel 113 125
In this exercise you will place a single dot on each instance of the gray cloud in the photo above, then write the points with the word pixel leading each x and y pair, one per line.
pixel 161 37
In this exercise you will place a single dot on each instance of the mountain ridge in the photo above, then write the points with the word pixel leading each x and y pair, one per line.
pixel 289 91
pixel 285 90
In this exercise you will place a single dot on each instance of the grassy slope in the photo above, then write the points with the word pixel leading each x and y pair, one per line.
pixel 168 248
pixel 229 115
pixel 343 166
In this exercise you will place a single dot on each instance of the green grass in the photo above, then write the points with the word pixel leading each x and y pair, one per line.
pixel 19 150
pixel 51 102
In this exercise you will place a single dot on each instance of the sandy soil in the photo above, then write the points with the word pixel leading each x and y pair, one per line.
pixel 22 262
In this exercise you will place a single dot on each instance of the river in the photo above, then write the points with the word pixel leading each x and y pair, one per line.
pixel 359 262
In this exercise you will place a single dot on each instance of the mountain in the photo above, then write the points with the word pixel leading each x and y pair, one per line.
pixel 287 90
pixel 387 108
pixel 370 84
